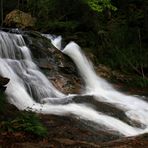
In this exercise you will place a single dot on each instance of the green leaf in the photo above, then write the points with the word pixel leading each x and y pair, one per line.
pixel 100 5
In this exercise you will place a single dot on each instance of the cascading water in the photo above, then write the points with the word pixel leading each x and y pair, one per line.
pixel 29 88
pixel 134 108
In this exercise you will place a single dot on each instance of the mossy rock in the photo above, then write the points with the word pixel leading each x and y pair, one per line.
pixel 19 19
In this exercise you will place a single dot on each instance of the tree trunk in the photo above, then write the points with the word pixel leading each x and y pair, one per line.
pixel 146 16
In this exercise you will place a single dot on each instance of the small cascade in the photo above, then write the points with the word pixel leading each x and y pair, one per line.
pixel 29 89
pixel 55 40
pixel 17 64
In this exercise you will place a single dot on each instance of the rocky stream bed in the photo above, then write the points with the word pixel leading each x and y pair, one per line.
pixel 66 131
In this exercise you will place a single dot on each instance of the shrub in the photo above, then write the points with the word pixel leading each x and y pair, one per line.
pixel 27 122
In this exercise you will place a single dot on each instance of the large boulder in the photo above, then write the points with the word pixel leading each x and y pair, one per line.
pixel 19 19
pixel 59 68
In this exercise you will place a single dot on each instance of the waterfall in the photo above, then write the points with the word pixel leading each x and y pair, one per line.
pixel 29 89
pixel 16 63
pixel 134 108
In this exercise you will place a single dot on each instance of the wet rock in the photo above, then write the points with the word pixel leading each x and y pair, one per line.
pixel 20 19
pixel 66 83
pixel 103 71
pixel 140 141
pixel 3 83
pixel 59 68
pixel 107 73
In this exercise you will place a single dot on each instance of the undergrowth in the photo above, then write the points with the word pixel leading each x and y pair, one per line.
pixel 26 122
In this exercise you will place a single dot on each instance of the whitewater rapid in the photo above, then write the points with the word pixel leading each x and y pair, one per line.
pixel 29 89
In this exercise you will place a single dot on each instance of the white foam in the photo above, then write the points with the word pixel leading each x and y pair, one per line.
pixel 135 108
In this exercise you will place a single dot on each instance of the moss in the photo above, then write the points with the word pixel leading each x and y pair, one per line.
pixel 24 122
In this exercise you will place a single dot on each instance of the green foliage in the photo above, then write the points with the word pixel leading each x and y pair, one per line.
pixel 27 122
pixel 54 14
pixel 123 50
pixel 68 14
pixel 100 5
pixel 123 42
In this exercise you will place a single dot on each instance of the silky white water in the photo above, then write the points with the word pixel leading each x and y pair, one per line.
pixel 29 88
pixel 134 108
